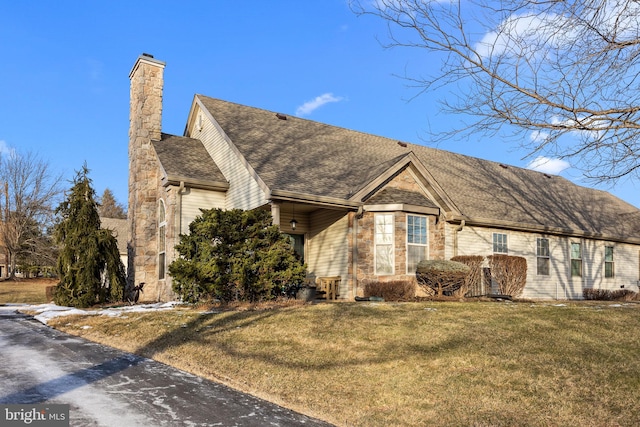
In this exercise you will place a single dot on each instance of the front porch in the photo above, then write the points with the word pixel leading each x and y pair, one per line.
pixel 323 237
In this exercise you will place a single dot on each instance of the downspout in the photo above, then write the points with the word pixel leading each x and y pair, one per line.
pixel 181 191
pixel 354 256
pixel 455 239
pixel 354 249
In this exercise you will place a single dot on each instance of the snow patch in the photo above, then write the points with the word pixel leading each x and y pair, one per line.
pixel 46 312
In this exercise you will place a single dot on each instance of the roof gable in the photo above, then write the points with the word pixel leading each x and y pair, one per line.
pixel 406 162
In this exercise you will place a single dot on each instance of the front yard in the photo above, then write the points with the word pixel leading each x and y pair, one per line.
pixel 438 363
pixel 30 291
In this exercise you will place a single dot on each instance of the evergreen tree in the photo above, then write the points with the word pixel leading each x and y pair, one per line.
pixel 89 265
pixel 235 255
pixel 108 206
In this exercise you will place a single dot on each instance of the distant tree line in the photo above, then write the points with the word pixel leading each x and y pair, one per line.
pixel 29 192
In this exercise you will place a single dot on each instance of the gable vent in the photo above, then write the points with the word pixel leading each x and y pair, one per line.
pixel 402 144
pixel 281 116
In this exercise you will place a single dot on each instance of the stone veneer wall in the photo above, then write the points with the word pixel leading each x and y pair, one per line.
pixel 406 181
pixel 145 121
pixel 171 200
pixel 365 238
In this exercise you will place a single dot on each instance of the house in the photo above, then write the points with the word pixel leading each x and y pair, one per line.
pixel 361 207
pixel 120 229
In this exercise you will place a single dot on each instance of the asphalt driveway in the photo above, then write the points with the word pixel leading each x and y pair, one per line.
pixel 108 387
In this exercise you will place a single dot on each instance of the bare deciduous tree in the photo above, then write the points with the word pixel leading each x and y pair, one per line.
pixel 30 192
pixel 561 75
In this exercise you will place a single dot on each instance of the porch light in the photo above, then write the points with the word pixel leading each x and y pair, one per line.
pixel 293 221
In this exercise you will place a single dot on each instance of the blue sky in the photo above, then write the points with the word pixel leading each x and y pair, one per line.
pixel 64 86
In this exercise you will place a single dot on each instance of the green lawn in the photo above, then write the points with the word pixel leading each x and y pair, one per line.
pixel 386 364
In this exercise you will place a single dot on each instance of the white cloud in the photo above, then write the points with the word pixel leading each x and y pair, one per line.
pixel 4 148
pixel 310 106
pixel 548 165
pixel 529 32
pixel 520 35
pixel 538 136
pixel 592 127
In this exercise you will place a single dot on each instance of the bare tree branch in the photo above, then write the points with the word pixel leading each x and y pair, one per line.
pixel 30 192
pixel 563 71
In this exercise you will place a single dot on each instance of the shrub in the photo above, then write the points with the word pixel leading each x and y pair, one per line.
pixel 509 272
pixel 396 290
pixel 609 295
pixel 441 277
pixel 235 255
pixel 473 281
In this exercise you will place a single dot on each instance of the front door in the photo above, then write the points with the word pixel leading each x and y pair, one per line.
pixel 297 241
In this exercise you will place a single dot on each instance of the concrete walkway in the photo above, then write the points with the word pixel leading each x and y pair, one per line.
pixel 108 387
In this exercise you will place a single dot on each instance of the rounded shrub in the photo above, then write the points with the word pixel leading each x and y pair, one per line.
pixel 441 277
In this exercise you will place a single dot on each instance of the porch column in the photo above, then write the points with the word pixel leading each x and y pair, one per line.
pixel 275 213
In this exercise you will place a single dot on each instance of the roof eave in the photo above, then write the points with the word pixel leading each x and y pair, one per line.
pixel 195 183
pixel 292 196
pixel 541 229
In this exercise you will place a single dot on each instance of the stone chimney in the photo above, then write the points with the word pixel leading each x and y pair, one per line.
pixel 145 125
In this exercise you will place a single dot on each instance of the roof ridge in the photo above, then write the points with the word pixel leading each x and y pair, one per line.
pixel 409 145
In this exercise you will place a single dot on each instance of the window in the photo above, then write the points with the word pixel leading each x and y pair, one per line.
pixel 576 259
pixel 162 243
pixel 608 261
pixel 384 243
pixel 500 243
pixel 416 241
pixel 542 253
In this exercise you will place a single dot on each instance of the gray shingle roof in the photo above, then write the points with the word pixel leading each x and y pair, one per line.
pixel 308 157
pixel 301 155
pixel 186 159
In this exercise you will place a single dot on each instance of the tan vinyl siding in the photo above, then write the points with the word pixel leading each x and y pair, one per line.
pixel 625 266
pixel 196 199
pixel 559 284
pixel 302 222
pixel 244 190
pixel 327 246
